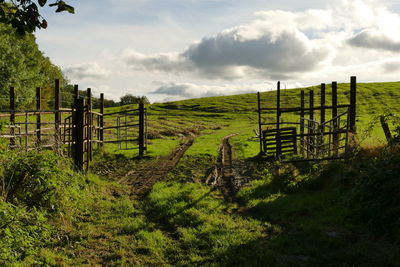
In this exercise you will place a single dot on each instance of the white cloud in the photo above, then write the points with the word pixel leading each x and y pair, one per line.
pixel 176 91
pixel 89 70
pixel 343 38
pixel 373 39
pixel 265 46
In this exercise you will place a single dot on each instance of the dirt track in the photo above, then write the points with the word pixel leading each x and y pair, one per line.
pixel 223 175
pixel 142 180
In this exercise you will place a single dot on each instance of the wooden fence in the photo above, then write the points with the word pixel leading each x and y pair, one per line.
pixel 310 138
pixel 75 130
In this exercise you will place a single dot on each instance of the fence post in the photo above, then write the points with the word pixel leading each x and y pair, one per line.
pixel 76 92
pixel 311 143
pixel 141 130
pixel 353 103
pixel 38 116
pixel 259 122
pixel 386 129
pixel 89 125
pixel 278 116
pixel 57 116
pixel 12 117
pixel 323 102
pixel 335 122
pixel 302 115
pixel 101 119
pixel 77 133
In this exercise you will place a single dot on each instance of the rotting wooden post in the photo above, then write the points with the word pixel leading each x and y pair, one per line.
pixel 353 103
pixel 311 141
pixel 335 122
pixel 141 130
pixel 12 117
pixel 89 125
pixel 38 116
pixel 302 115
pixel 386 129
pixel 101 119
pixel 57 114
pixel 260 122
pixel 278 116
pixel 77 133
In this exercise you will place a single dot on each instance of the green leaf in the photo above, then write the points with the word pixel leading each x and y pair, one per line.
pixel 42 2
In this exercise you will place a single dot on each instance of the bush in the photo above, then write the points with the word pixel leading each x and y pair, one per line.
pixel 33 179
pixel 21 232
pixel 376 198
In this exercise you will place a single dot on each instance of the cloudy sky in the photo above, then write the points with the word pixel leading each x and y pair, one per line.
pixel 177 49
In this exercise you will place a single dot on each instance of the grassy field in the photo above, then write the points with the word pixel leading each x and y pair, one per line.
pixel 308 214
pixel 216 117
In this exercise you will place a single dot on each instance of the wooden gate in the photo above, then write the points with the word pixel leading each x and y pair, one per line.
pixel 86 129
pixel 316 138
pixel 75 130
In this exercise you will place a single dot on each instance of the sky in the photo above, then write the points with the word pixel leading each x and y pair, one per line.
pixel 179 49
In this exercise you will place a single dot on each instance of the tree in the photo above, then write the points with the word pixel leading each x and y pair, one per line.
pixel 23 66
pixel 130 99
pixel 24 15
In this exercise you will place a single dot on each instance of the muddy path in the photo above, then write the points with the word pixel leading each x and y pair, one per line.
pixel 142 180
pixel 225 175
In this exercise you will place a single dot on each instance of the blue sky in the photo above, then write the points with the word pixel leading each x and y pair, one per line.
pixel 169 49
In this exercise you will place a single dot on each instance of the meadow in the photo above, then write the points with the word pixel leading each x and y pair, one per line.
pixel 301 214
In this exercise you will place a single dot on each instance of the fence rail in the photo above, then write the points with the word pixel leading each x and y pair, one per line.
pixel 76 129
pixel 315 139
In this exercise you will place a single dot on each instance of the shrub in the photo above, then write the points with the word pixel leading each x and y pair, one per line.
pixel 376 198
pixel 33 179
pixel 21 232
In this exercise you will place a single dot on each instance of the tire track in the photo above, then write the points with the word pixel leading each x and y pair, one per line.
pixel 223 176
pixel 142 180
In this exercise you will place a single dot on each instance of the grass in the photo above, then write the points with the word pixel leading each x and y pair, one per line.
pixel 330 214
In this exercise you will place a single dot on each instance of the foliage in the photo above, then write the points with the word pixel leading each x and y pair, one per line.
pixel 129 99
pixel 375 197
pixel 22 232
pixel 33 179
pixel 24 15
pixel 23 66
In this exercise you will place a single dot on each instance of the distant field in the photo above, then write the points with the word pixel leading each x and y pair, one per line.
pixel 212 118
pixel 216 117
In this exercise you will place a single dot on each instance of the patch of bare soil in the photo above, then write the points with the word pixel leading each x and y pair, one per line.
pixel 227 175
pixel 142 180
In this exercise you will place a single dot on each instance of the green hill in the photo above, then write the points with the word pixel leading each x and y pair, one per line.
pixel 216 117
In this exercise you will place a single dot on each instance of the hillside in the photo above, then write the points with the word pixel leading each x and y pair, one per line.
pixel 216 117
pixel 202 196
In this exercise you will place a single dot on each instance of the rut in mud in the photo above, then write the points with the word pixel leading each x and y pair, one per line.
pixel 143 179
pixel 226 176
